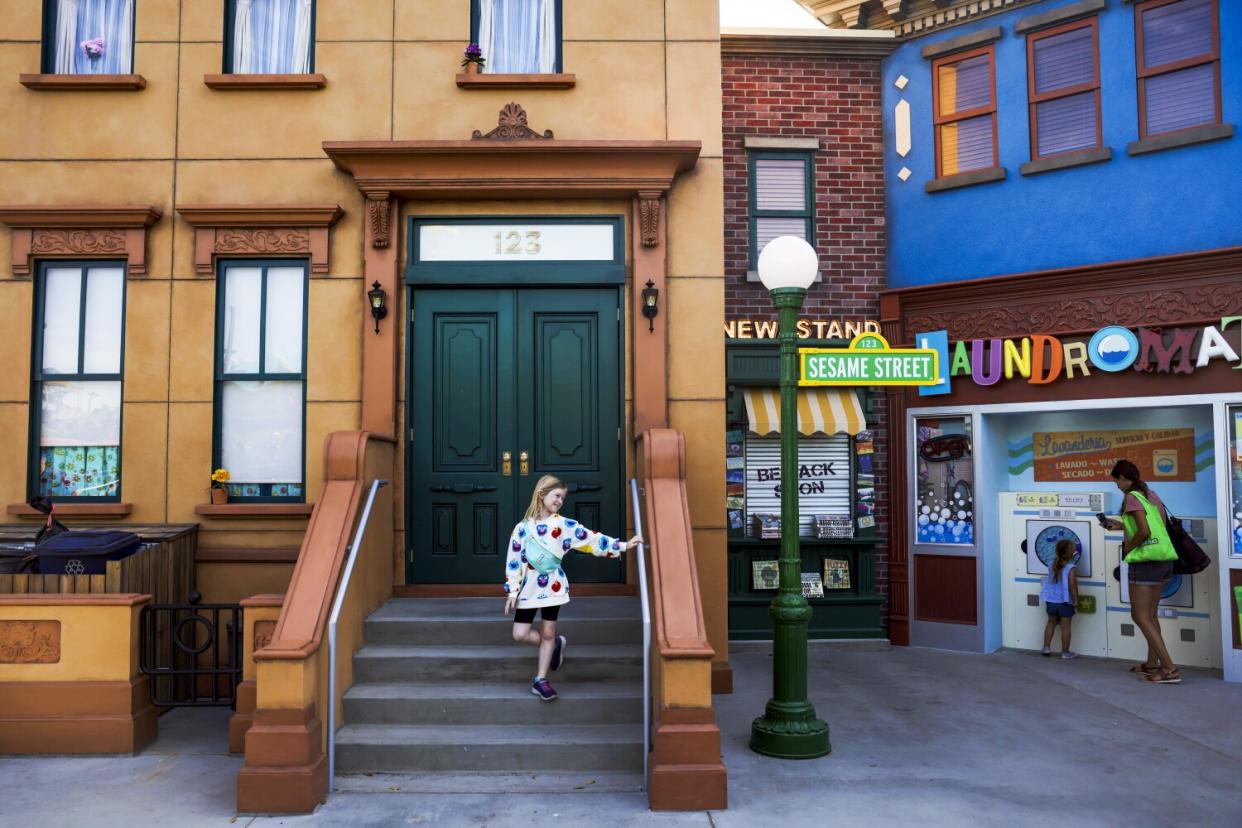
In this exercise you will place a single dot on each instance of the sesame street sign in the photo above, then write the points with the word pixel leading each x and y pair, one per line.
pixel 869 361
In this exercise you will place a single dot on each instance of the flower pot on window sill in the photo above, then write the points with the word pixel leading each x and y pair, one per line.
pixel 219 497
pixel 472 68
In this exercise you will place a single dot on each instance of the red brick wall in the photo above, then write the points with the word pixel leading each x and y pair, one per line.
pixel 838 102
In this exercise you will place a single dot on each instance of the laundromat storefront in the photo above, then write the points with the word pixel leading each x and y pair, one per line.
pixel 837 501
pixel 1012 450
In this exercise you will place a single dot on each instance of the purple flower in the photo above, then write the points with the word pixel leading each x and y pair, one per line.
pixel 93 48
pixel 473 50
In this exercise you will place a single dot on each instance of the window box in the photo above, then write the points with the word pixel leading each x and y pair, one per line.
pixel 558 80
pixel 311 80
pixel 83 83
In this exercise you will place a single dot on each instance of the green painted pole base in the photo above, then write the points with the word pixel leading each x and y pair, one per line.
pixel 790 731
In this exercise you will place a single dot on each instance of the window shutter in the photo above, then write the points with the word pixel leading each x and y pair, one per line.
pixel 1066 124
pixel 966 85
pixel 780 184
pixel 967 145
pixel 1064 60
pixel 1176 31
pixel 1181 99
pixel 767 229
pixel 819 493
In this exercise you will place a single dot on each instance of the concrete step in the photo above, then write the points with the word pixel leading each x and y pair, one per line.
pixel 463 608
pixel 476 631
pixel 591 702
pixel 491 782
pixel 517 748
pixel 512 663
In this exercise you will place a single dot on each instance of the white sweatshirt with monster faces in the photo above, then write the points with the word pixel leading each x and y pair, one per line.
pixel 557 535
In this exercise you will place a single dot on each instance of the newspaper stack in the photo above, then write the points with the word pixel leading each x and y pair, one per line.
pixel 765 527
pixel 833 526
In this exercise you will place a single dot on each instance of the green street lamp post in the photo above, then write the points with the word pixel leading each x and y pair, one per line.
pixel 789 728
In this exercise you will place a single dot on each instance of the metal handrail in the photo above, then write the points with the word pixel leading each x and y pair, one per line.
pixel 341 589
pixel 646 610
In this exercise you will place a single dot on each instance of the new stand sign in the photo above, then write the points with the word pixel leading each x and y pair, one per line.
pixel 869 361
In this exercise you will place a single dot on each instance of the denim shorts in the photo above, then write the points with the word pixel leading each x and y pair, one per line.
pixel 1062 609
pixel 1150 573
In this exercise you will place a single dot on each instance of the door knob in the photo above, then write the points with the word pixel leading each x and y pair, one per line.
pixel 506 464
pixel 524 463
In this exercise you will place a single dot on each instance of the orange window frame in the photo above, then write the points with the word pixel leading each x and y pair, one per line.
pixel 1034 98
pixel 939 119
pixel 1144 71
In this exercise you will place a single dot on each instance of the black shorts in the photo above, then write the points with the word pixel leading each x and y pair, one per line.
pixel 1150 573
pixel 526 616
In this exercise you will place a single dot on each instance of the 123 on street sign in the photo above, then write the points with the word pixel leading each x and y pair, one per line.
pixel 869 361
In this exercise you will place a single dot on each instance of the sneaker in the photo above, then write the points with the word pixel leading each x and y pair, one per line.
pixel 543 689
pixel 558 654
pixel 1069 654
pixel 1046 651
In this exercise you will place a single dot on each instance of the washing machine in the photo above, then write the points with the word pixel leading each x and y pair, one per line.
pixel 1031 524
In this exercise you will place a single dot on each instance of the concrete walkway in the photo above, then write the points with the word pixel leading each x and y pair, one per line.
pixel 919 737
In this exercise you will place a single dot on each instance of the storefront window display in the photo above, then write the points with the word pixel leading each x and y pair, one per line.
pixel 944 503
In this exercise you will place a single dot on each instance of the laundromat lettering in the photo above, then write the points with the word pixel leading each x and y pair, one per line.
pixel 1041 359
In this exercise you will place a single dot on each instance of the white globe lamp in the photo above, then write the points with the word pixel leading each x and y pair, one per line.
pixel 788 262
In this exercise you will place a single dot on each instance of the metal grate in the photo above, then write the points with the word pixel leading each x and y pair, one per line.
pixel 192 652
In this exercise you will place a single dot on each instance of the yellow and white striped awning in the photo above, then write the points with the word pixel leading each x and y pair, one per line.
pixel 820 410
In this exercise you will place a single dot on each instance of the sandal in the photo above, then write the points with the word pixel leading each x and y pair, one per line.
pixel 1164 677
pixel 1144 668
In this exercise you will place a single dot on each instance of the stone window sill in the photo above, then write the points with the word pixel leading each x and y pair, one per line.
pixel 966 179
pixel 1070 159
pixel 312 80
pixel 97 510
pixel 80 83
pixel 1181 138
pixel 254 510
pixel 502 81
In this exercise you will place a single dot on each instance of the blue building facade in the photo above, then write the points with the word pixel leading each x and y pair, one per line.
pixel 1064 225
pixel 1130 200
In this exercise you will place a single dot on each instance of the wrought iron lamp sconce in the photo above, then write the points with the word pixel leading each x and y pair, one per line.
pixel 651 298
pixel 379 303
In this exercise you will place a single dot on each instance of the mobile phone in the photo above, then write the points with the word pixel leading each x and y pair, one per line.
pixel 1103 520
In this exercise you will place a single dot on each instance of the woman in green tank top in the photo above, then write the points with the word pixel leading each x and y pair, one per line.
pixel 1149 556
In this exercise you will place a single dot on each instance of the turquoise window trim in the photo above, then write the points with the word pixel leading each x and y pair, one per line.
pixel 37 377
pixel 753 212
pixel 220 377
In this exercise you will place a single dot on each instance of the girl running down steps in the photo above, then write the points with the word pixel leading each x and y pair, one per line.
pixel 535 580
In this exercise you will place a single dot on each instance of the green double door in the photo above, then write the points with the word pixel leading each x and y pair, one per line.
pixel 508 385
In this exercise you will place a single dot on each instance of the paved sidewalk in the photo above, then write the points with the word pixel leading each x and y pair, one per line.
pixel 919 737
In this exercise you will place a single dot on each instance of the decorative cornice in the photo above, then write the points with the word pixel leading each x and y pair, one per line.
pixel 76 231
pixel 260 230
pixel 904 17
pixel 513 169
pixel 512 126
pixel 1184 289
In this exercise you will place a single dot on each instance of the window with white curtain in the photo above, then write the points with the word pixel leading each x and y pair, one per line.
pixel 1178 45
pixel 782 200
pixel 269 37
pixel 89 37
pixel 518 36
pixel 77 372
pixel 260 399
